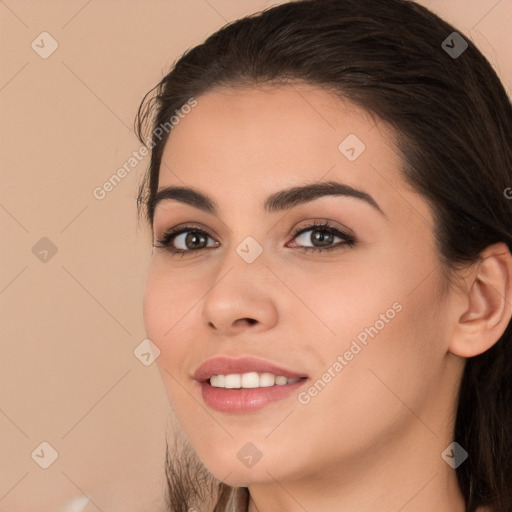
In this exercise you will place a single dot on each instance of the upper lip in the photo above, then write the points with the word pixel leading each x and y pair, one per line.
pixel 227 365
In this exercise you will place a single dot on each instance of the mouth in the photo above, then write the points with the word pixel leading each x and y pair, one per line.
pixel 240 386
pixel 247 367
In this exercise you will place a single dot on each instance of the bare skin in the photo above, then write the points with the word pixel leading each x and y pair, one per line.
pixel 372 438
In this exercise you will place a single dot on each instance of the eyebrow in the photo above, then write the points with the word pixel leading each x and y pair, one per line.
pixel 281 200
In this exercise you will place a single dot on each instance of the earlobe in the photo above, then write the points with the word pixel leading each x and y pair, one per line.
pixel 488 303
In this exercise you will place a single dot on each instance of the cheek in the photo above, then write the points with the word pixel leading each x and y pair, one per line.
pixel 162 309
pixel 401 352
pixel 170 309
pixel 390 337
pixel 398 363
pixel 165 303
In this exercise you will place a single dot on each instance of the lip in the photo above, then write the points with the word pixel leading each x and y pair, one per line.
pixel 242 401
pixel 226 365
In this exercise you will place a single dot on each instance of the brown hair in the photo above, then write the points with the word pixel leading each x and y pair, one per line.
pixel 453 121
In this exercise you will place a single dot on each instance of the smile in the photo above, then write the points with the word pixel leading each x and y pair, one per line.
pixel 250 380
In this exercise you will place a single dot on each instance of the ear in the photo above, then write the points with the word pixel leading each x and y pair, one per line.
pixel 486 303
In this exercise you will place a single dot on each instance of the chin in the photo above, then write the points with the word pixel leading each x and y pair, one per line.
pixel 235 472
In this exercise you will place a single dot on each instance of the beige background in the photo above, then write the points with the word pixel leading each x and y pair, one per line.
pixel 71 323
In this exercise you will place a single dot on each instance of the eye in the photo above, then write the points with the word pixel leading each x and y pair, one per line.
pixel 318 235
pixel 190 238
pixel 187 239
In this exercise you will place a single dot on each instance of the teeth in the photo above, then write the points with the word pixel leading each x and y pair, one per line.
pixel 233 381
pixel 281 381
pixel 249 380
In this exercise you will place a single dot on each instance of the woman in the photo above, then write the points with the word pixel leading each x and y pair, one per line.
pixel 331 281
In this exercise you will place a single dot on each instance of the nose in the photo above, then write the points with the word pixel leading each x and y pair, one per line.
pixel 243 299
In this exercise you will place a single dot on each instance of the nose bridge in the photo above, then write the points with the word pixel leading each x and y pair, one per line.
pixel 246 237
pixel 240 290
pixel 245 262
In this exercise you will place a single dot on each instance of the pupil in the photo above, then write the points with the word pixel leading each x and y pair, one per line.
pixel 192 238
pixel 322 237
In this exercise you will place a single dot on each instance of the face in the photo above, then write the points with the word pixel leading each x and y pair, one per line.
pixel 358 315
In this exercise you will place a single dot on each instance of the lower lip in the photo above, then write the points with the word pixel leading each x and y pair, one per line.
pixel 241 401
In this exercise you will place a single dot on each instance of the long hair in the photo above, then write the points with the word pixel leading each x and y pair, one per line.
pixel 453 122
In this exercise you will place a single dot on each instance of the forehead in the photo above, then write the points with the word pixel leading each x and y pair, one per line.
pixel 271 121
pixel 254 141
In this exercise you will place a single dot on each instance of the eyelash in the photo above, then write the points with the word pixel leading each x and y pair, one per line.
pixel 168 236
